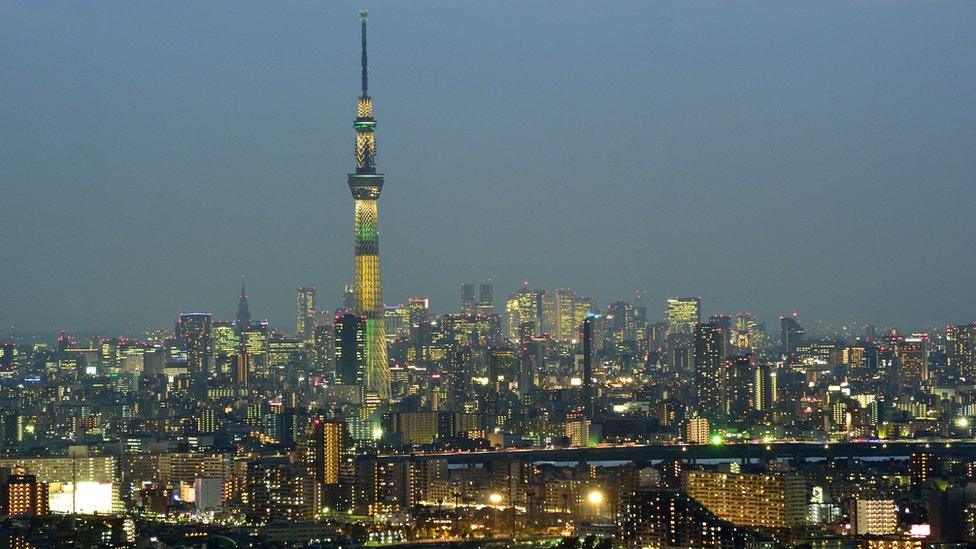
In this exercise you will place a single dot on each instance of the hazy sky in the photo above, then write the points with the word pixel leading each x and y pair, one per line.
pixel 767 156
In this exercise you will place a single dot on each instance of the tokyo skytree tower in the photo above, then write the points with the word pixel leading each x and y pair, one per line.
pixel 366 185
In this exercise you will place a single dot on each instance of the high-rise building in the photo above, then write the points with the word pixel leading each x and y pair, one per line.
pixel 583 307
pixel 468 305
pixel 194 330
pixel 588 393
pixel 323 348
pixel 523 306
pixel 304 312
pixel 325 440
pixel 366 185
pixel 349 298
pixel 226 338
pixel 698 431
pixel 279 491
pixel 946 514
pixel 876 517
pixel 711 352
pixel 242 369
pixel 243 309
pixel 790 334
pixel 769 501
pixel 682 314
pixel 961 350
pixel 913 360
pixel 621 326
pixel 724 322
pixel 254 339
pixel 739 394
pixel 486 298
pixel 350 349
pixel 21 494
pixel 922 467
pixel 749 332
pixel 669 518
pixel 765 387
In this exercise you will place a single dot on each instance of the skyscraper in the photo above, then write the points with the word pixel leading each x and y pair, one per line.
pixel 350 349
pixel 486 298
pixel 467 299
pixel 243 310
pixel 913 360
pixel 304 312
pixel 366 185
pixel 790 334
pixel 682 313
pixel 588 395
pixel 323 447
pixel 523 306
pixel 194 331
pixel 711 351
pixel 961 350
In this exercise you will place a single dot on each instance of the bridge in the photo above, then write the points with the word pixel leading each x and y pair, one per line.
pixel 731 451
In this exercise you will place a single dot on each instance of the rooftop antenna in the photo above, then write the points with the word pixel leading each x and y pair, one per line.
pixel 363 13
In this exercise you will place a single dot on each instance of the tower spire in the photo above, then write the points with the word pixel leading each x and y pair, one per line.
pixel 366 186
pixel 243 309
pixel 363 14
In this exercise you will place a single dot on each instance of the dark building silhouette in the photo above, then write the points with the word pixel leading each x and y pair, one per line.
pixel 790 334
pixel 350 349
pixel 669 518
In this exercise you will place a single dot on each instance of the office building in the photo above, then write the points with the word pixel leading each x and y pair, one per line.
pixel 682 314
pixel 790 334
pixel 350 349
pixel 468 303
pixel 913 360
pixel 194 331
pixel 486 298
pixel 304 312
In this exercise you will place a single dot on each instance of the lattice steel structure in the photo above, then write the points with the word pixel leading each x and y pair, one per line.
pixel 366 185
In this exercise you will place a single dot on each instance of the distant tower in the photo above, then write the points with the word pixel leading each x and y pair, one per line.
pixel 486 298
pixel 195 333
pixel 243 310
pixel 304 312
pixel 366 185
pixel 588 396
pixel 790 334
pixel 467 299
pixel 711 352
pixel 350 348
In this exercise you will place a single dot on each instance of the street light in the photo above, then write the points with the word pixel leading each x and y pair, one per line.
pixel 495 499
pixel 595 497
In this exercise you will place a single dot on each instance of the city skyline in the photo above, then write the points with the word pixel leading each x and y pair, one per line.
pixel 605 326
pixel 139 197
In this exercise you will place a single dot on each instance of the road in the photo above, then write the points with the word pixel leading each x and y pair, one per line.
pixel 655 452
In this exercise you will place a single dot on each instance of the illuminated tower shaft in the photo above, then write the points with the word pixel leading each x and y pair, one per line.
pixel 366 185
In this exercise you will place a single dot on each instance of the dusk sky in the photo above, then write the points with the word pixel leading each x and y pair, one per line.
pixel 766 156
